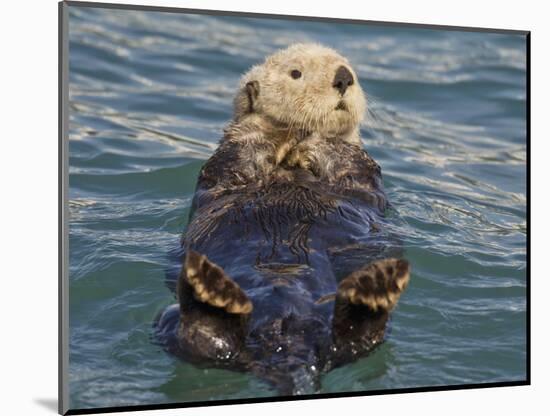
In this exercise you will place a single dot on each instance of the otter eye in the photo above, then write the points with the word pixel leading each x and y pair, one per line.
pixel 295 74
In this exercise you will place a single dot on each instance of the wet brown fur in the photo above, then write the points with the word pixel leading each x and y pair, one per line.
pixel 287 195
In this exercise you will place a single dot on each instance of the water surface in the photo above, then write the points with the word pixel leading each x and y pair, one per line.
pixel 149 96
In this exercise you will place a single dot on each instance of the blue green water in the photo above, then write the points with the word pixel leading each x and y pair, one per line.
pixel 149 96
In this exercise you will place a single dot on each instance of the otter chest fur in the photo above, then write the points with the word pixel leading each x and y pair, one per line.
pixel 286 269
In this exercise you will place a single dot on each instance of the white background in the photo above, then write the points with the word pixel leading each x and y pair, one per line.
pixel 28 204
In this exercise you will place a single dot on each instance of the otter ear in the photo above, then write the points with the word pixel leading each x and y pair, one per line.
pixel 247 98
pixel 252 92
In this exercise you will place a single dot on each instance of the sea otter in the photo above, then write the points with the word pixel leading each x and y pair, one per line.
pixel 287 271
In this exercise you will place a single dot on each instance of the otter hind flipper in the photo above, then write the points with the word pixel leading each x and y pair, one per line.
pixel 363 303
pixel 377 286
pixel 211 285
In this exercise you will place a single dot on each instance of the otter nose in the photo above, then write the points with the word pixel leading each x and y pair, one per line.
pixel 342 80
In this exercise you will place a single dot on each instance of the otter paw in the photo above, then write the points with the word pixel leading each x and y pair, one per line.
pixel 377 285
pixel 212 286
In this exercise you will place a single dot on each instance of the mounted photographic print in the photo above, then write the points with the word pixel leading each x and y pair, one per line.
pixel 265 207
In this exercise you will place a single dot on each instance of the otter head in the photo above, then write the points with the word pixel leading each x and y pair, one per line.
pixel 306 87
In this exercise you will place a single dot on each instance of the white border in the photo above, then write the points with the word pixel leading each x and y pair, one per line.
pixel 29 203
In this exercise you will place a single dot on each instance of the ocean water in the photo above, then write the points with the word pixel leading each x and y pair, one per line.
pixel 149 96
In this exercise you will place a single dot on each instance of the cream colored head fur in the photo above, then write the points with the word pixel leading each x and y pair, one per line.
pixel 308 103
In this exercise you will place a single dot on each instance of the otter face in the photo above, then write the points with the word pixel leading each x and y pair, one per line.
pixel 307 87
